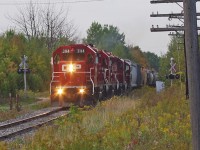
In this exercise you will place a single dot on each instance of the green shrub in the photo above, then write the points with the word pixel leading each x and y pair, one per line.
pixel 154 121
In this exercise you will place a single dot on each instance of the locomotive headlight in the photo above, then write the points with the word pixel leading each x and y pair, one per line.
pixel 59 91
pixel 81 91
pixel 71 68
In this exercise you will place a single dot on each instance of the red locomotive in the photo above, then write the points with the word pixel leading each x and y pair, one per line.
pixel 82 74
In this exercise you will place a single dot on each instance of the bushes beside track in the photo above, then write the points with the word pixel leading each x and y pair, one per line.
pixel 144 120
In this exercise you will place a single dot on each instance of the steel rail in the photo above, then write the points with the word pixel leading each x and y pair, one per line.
pixel 29 119
pixel 31 127
pixel 22 131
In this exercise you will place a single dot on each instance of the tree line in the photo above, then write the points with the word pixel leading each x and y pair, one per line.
pixel 39 31
pixel 109 38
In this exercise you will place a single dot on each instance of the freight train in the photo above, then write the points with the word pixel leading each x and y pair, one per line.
pixel 82 75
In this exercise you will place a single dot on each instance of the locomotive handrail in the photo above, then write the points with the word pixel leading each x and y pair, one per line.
pixel 76 72
pixel 105 76
pixel 92 81
pixel 73 72
pixel 117 81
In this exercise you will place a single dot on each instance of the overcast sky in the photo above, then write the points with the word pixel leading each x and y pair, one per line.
pixel 132 17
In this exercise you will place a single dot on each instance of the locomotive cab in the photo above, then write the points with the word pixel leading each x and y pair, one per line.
pixel 73 75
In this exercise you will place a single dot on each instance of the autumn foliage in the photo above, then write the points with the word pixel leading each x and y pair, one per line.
pixel 144 120
pixel 139 56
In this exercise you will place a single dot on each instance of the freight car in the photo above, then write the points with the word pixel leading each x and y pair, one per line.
pixel 82 74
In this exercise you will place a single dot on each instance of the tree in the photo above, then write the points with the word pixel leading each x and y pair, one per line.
pixel 107 37
pixel 56 27
pixel 94 34
pixel 12 47
pixel 152 59
pixel 28 21
pixel 45 24
pixel 104 37
pixel 9 54
pixel 111 37
pixel 138 56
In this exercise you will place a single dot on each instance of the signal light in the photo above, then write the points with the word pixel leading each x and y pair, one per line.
pixel 20 71
pixel 177 76
pixel 173 76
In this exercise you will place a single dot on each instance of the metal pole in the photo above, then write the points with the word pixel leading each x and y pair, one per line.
pixel 171 69
pixel 24 75
pixel 193 63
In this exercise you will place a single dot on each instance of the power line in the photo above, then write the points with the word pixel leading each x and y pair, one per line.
pixel 47 3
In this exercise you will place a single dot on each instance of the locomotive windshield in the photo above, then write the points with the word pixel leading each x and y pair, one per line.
pixel 73 55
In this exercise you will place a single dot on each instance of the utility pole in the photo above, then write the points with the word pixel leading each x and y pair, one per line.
pixel 172 28
pixel 193 65
pixel 192 56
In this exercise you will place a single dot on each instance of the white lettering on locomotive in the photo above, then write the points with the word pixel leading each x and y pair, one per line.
pixel 80 51
pixel 65 51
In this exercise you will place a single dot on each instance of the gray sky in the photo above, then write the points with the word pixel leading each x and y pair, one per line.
pixel 132 17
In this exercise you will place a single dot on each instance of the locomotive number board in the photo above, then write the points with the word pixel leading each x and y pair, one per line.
pixel 78 51
pixel 66 51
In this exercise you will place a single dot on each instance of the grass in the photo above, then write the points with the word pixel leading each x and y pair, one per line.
pixel 27 104
pixel 147 121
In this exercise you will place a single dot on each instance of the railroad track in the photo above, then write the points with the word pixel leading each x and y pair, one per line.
pixel 21 126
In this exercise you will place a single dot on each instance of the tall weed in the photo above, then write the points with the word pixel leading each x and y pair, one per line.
pixel 154 121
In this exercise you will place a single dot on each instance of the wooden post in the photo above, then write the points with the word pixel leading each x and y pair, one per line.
pixel 193 66
pixel 10 101
pixel 17 103
pixel 186 72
